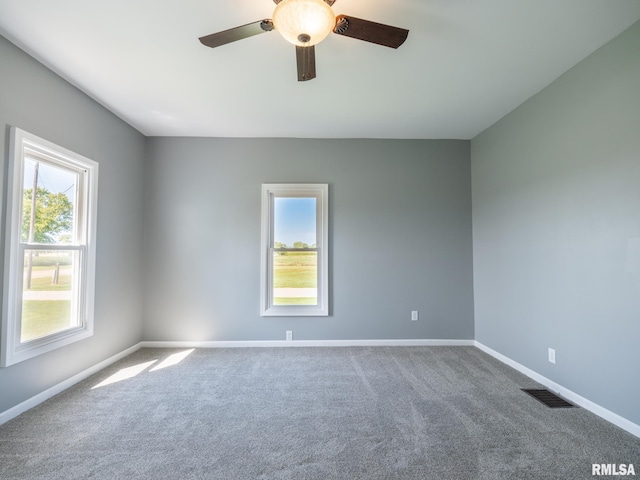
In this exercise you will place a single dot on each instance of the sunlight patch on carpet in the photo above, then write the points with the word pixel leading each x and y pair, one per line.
pixel 172 360
pixel 125 374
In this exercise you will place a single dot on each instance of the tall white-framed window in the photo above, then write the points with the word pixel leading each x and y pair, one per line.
pixel 295 250
pixel 49 248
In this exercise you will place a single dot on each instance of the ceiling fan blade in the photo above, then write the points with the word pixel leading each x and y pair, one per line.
pixel 237 33
pixel 306 59
pixel 370 31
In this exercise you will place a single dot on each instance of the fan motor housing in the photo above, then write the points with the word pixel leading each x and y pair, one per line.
pixel 266 25
pixel 342 24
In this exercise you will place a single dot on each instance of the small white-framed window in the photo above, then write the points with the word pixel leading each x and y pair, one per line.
pixel 49 248
pixel 295 250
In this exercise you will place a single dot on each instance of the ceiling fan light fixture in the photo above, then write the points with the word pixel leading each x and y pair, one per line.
pixel 304 22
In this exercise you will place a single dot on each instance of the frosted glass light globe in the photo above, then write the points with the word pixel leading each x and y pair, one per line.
pixel 304 22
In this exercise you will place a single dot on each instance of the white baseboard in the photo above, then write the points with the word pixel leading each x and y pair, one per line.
pixel 579 400
pixel 60 387
pixel 307 343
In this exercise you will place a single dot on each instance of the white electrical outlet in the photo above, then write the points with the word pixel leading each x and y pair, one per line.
pixel 289 335
pixel 552 355
pixel 414 315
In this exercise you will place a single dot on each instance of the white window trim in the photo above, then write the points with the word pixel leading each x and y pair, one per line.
pixel 12 350
pixel 321 192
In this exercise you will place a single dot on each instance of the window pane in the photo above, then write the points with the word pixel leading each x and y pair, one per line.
pixel 50 293
pixel 295 278
pixel 53 219
pixel 294 222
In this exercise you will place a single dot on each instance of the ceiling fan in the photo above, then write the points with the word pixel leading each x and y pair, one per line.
pixel 305 23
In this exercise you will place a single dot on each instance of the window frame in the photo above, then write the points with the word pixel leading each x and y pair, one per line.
pixel 270 191
pixel 25 145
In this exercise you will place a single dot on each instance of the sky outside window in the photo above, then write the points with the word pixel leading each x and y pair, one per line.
pixel 295 220
pixel 53 179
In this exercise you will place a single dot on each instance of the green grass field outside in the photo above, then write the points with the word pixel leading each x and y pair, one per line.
pixel 44 317
pixel 43 284
pixel 295 270
pixel 295 301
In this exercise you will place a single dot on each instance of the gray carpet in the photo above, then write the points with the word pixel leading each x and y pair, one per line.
pixel 309 413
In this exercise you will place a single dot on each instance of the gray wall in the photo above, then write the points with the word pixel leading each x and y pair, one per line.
pixel 35 99
pixel 556 229
pixel 400 219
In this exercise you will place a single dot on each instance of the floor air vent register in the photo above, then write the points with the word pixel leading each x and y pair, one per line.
pixel 550 399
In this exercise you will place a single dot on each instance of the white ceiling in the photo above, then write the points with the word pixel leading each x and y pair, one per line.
pixel 465 64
